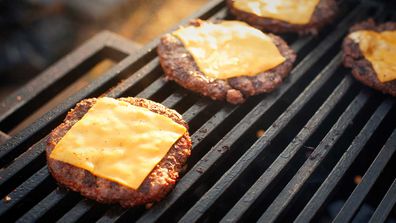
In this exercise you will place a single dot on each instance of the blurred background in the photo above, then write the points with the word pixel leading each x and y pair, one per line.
pixel 36 33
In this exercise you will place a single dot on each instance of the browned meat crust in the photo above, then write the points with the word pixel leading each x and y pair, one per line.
pixel 179 65
pixel 324 14
pixel 362 69
pixel 156 185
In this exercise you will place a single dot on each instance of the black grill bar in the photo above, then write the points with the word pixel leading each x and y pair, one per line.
pixel 271 133
pixel 22 162
pixel 368 180
pixel 24 98
pixel 386 205
pixel 43 206
pixel 233 175
pixel 344 163
pixel 22 191
pixel 77 211
pixel 318 155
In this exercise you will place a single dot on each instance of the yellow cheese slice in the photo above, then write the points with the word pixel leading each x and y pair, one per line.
pixel 292 11
pixel 230 49
pixel 380 49
pixel 118 141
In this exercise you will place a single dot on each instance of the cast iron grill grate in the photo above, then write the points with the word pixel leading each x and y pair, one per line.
pixel 319 131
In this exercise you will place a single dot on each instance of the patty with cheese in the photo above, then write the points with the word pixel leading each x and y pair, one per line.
pixel 370 50
pixel 285 16
pixel 128 150
pixel 225 60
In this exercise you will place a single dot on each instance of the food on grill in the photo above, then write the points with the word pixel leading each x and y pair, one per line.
pixel 281 16
pixel 370 50
pixel 128 151
pixel 226 60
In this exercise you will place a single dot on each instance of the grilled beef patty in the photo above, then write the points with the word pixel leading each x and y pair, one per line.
pixel 156 185
pixel 362 69
pixel 324 13
pixel 179 65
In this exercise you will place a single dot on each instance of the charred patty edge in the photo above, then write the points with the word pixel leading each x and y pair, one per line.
pixel 156 185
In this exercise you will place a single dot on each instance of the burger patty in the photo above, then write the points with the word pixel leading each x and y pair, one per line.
pixel 362 69
pixel 179 65
pixel 155 186
pixel 324 13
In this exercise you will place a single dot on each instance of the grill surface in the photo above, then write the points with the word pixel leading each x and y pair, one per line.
pixel 322 129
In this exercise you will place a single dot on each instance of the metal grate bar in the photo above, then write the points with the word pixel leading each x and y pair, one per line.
pixel 344 163
pixel 131 81
pixel 34 214
pixel 77 211
pixel 386 205
pixel 197 108
pixel 296 183
pixel 153 88
pixel 174 98
pixel 23 97
pixel 22 161
pixel 368 180
pixel 287 155
pixel 237 169
pixel 112 215
pixel 23 190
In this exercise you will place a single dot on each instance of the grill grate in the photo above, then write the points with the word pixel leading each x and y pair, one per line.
pixel 321 129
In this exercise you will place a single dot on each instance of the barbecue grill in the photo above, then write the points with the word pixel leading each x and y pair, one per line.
pixel 319 148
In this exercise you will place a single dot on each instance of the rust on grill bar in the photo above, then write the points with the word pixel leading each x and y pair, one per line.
pixel 319 131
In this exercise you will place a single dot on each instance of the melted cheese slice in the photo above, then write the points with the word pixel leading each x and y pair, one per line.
pixel 380 49
pixel 291 11
pixel 230 49
pixel 118 141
